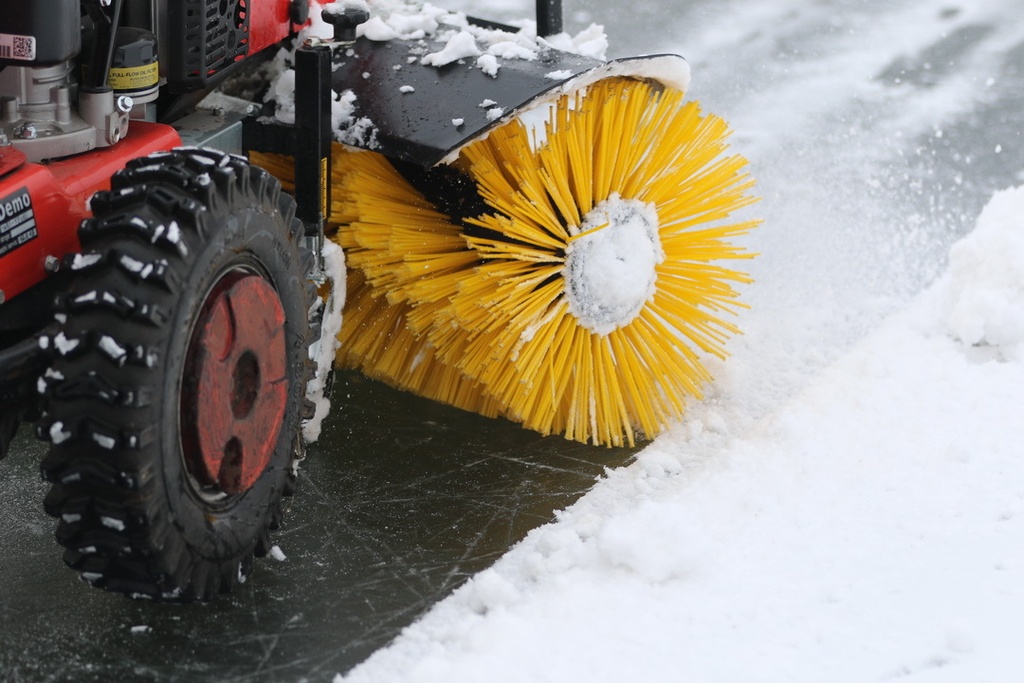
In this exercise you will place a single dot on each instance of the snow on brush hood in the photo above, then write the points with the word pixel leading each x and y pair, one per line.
pixel 426 26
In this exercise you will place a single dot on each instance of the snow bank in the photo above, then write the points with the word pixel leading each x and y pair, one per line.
pixel 871 528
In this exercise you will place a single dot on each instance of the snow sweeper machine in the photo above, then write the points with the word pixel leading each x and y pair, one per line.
pixel 191 189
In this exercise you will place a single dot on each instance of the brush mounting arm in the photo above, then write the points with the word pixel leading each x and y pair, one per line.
pixel 549 17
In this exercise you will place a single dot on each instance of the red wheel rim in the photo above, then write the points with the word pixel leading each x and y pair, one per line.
pixel 235 391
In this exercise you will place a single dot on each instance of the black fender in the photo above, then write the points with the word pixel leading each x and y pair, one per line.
pixel 424 114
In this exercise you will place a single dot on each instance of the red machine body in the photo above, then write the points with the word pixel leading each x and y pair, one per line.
pixel 270 23
pixel 42 205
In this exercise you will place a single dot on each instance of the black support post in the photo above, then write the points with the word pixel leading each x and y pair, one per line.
pixel 549 17
pixel 313 137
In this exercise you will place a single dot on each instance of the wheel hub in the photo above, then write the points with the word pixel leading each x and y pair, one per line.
pixel 610 265
pixel 234 400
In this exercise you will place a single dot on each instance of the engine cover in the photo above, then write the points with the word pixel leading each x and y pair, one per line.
pixel 40 32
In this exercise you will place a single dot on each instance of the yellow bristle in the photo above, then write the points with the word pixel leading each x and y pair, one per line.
pixel 526 347
pixel 479 311
pixel 376 340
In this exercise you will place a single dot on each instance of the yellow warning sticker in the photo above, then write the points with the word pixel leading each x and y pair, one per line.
pixel 324 209
pixel 135 77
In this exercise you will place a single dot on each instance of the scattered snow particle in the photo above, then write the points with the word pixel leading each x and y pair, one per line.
pixel 174 231
pixel 590 42
pixel 112 523
pixel 64 345
pixel 139 630
pixel 560 75
pixel 377 29
pixel 348 129
pixel 458 122
pixel 58 434
pixel 406 89
pixel 278 554
pixel 488 64
pixel 487 103
pixel 110 347
pixel 513 49
pixel 104 441
pixel 460 46
pixel 494 113
pixel 82 261
pixel 283 93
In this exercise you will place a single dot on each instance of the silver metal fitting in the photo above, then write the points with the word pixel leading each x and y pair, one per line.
pixel 51 264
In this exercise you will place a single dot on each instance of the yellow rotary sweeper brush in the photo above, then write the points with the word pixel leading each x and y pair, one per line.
pixel 555 251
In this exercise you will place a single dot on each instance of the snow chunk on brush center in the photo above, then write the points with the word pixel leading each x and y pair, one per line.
pixel 610 264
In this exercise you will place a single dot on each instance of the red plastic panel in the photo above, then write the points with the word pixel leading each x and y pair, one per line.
pixel 269 23
pixel 41 205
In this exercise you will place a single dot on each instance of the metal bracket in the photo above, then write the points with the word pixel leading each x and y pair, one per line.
pixel 549 17
pixel 313 136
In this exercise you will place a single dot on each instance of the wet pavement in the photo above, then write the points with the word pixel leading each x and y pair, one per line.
pixel 399 503
pixel 403 499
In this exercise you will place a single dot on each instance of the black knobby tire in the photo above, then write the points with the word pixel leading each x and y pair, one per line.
pixel 153 364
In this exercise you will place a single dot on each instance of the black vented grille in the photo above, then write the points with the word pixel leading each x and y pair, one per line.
pixel 206 37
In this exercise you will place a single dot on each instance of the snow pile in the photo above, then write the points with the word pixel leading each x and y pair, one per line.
pixel 348 128
pixel 870 528
pixel 985 297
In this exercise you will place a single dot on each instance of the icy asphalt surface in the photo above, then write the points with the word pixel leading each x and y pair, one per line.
pixel 877 131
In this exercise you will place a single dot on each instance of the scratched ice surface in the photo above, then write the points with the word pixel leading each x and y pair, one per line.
pixel 401 501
